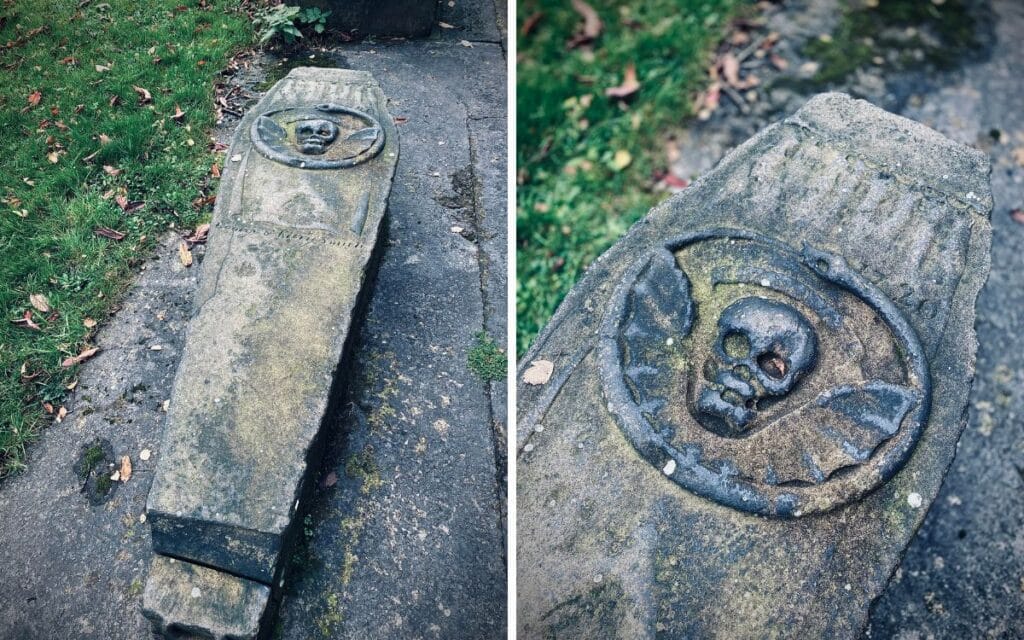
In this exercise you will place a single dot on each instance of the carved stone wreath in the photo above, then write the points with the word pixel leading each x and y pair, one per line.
pixel 774 382
pixel 327 136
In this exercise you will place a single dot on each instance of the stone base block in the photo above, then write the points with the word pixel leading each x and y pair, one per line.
pixel 185 600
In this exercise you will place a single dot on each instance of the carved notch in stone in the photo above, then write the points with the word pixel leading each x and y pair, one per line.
pixel 288 261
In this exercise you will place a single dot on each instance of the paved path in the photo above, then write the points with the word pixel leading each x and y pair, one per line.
pixel 405 538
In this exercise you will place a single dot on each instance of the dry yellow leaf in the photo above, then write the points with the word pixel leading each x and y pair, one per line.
pixel 89 323
pixel 539 372
pixel 61 414
pixel 126 468
pixel 40 302
pixel 184 254
pixel 622 159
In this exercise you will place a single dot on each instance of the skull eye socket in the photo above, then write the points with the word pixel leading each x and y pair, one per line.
pixel 736 345
pixel 773 365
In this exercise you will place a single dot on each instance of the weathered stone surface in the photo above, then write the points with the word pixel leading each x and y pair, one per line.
pixel 757 392
pixel 379 17
pixel 296 223
pixel 182 598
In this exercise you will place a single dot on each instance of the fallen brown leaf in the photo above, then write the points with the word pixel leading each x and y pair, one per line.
pixel 531 23
pixel 61 414
pixel 111 171
pixel 71 361
pixel 26 321
pixel 145 97
pixel 629 86
pixel 592 25
pixel 184 254
pixel 179 115
pixel 104 138
pixel 731 69
pixel 89 323
pixel 199 235
pixel 107 232
pixel 34 98
pixel 215 170
pixel 128 206
pixel 539 372
pixel 1017 215
pixel 40 302
pixel 47 407
pixel 203 201
pixel 126 468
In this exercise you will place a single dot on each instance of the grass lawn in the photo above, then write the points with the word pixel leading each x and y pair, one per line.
pixel 89 141
pixel 586 161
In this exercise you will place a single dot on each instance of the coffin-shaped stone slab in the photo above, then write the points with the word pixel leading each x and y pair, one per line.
pixel 756 393
pixel 296 224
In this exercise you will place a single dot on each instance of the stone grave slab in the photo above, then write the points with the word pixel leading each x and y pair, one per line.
pixel 293 239
pixel 754 396
pixel 403 18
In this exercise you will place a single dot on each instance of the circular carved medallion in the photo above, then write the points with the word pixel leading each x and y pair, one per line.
pixel 771 381
pixel 326 136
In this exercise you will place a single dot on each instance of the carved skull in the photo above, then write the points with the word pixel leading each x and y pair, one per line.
pixel 763 349
pixel 313 136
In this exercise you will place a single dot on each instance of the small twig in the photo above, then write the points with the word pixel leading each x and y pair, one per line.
pixel 751 48
pixel 737 98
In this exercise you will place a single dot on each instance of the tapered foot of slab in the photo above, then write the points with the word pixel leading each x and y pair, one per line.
pixel 185 600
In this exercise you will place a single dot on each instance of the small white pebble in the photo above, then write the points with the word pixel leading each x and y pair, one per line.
pixel 156 347
pixel 766 283
pixel 116 476
pixel 528 448
pixel 539 428
pixel 236 158
pixel 598 578
pixel 670 467
pixel 670 342
pixel 848 586
pixel 142 517
pixel 196 592
pixel 456 229
pixel 914 500
pixel 144 454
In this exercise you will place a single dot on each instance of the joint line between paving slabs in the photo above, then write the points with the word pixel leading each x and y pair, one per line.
pixel 487 309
